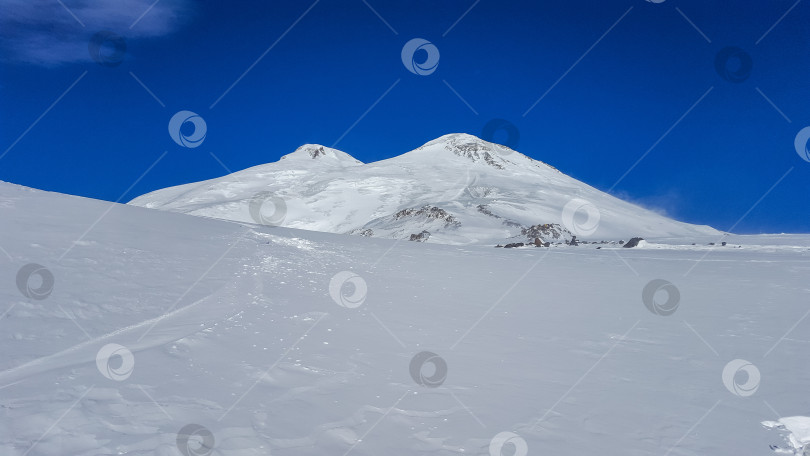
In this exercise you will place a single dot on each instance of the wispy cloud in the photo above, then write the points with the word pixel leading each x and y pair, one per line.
pixel 667 204
pixel 55 32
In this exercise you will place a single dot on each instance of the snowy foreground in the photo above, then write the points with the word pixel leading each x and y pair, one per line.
pixel 166 334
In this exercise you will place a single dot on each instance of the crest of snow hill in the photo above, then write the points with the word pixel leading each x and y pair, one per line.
pixel 316 151
pixel 457 189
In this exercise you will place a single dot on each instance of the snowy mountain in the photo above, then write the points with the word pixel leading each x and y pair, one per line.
pixel 457 189
pixel 128 331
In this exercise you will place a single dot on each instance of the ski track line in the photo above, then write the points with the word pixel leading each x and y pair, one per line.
pixel 64 359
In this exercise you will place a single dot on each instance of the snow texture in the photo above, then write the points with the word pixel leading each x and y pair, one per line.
pixel 164 334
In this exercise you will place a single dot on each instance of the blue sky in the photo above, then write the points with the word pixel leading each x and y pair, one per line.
pixel 616 81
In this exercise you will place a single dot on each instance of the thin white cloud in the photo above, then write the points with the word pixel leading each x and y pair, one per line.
pixel 45 32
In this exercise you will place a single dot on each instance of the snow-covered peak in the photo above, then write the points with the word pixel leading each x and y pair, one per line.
pixel 451 138
pixel 471 148
pixel 458 188
pixel 322 154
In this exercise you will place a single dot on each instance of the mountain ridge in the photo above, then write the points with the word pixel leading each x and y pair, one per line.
pixel 492 193
pixel 318 151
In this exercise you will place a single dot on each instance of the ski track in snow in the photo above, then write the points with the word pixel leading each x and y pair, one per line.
pixel 568 358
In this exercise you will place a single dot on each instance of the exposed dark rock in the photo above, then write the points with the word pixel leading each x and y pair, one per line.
pixel 430 213
pixel 546 231
pixel 633 242
pixel 573 241
pixel 421 237
pixel 484 209
pixel 368 232
pixel 514 244
pixel 476 151
pixel 315 153
pixel 723 243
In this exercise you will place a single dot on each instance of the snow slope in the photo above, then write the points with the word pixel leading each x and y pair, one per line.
pixel 796 430
pixel 256 340
pixel 459 188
